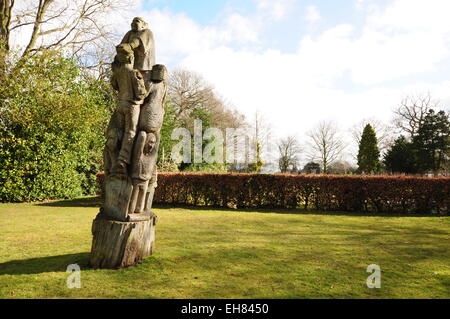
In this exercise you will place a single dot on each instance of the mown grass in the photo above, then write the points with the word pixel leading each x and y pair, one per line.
pixel 206 253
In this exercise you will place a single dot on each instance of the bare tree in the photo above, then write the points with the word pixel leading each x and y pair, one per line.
pixel 77 26
pixel 261 134
pixel 224 115
pixel 289 150
pixel 188 90
pixel 326 145
pixel 6 7
pixel 409 115
pixel 383 131
pixel 341 167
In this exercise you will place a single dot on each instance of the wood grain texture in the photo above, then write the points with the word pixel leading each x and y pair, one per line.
pixel 118 191
pixel 117 245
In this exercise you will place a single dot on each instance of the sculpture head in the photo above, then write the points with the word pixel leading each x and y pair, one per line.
pixel 138 24
pixel 125 54
pixel 150 143
pixel 159 73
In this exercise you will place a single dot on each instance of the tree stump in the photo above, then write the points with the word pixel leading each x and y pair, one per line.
pixel 117 245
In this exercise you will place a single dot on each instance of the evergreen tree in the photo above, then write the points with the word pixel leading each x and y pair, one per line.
pixel 400 158
pixel 369 154
pixel 432 142
pixel 165 163
pixel 312 168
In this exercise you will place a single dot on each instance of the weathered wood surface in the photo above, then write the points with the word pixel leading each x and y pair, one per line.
pixel 117 245
pixel 118 191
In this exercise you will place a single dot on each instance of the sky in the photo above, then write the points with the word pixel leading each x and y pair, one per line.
pixel 302 61
pixel 299 62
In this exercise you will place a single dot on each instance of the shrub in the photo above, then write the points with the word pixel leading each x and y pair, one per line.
pixel 389 194
pixel 52 121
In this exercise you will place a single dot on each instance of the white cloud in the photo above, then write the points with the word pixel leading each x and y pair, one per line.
pixel 275 9
pixel 177 35
pixel 407 15
pixel 297 90
pixel 312 14
pixel 375 56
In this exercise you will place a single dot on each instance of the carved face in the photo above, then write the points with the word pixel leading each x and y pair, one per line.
pixel 124 59
pixel 150 143
pixel 124 54
pixel 159 73
pixel 138 24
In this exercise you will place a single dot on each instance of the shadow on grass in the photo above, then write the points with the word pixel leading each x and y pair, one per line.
pixel 44 264
pixel 78 202
pixel 291 211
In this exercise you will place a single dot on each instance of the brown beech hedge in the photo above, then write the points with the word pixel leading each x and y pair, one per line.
pixel 389 194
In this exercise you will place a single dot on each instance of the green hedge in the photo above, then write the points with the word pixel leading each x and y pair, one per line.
pixel 389 194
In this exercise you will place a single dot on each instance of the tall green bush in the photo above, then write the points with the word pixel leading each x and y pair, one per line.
pixel 401 157
pixel 369 154
pixel 52 122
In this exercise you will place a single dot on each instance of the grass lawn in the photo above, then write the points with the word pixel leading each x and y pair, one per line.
pixel 203 253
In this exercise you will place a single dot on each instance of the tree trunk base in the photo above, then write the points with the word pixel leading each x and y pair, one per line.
pixel 117 245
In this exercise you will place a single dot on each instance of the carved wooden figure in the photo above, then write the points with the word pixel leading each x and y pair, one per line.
pixel 124 230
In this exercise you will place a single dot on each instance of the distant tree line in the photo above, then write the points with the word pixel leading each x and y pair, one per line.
pixel 422 144
pixel 424 150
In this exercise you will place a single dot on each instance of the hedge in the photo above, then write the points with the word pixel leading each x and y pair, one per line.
pixel 388 194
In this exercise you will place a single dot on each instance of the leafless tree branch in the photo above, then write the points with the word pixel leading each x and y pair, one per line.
pixel 325 144
pixel 409 115
pixel 288 150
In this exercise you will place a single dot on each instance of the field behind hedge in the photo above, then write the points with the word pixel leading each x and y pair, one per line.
pixel 219 253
